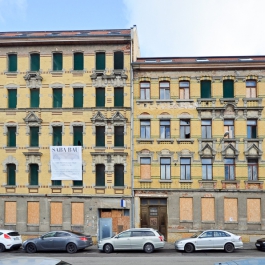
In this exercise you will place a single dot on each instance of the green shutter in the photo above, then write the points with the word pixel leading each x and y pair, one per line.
pixel 100 175
pixel 100 97
pixel 78 97
pixel 57 135
pixel 228 88
pixel 78 135
pixel 34 174
pixel 12 98
pixel 11 137
pixel 56 183
pixel 77 183
pixel 34 98
pixel 34 62
pixel 119 175
pixel 12 63
pixel 57 98
pixel 100 136
pixel 57 61
pixel 100 61
pixel 205 89
pixel 118 97
pixel 11 174
pixel 34 136
pixel 118 60
pixel 118 136
pixel 78 61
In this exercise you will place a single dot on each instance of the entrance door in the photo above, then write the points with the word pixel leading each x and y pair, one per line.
pixel 105 228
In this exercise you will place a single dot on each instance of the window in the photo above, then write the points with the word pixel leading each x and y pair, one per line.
pixel 12 62
pixel 34 136
pixel 145 167
pixel 228 88
pixel 34 98
pixel 78 61
pixel 11 136
pixel 229 127
pixel 145 129
pixel 100 61
pixel 57 97
pixel 206 129
pixel 184 129
pixel 118 97
pixel 56 183
pixel 145 90
pixel 118 135
pixel 57 135
pixel 100 97
pixel 77 183
pixel 252 169
pixel 229 168
pixel 118 175
pixel 78 135
pixel 11 174
pixel 100 175
pixel 164 129
pixel 33 174
pixel 184 90
pixel 185 169
pixel 78 97
pixel 12 98
pixel 251 129
pixel 164 90
pixel 34 62
pixel 205 89
pixel 207 169
pixel 57 62
pixel 165 168
pixel 100 135
pixel 251 89
pixel 118 60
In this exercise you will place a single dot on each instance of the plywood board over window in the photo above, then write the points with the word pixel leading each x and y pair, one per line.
pixel 208 209
pixel 33 213
pixel 10 212
pixel 186 209
pixel 230 210
pixel 253 210
pixel 56 213
pixel 77 213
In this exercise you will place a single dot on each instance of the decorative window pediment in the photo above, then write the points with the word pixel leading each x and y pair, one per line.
pixel 145 153
pixel 76 123
pixel 253 151
pixel 10 124
pixel 166 153
pixel 118 117
pixel 56 124
pixel 99 118
pixel 33 158
pixel 230 151
pixel 9 160
pixel 33 79
pixel 207 151
pixel 32 120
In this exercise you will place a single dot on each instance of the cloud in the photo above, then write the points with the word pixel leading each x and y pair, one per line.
pixel 198 27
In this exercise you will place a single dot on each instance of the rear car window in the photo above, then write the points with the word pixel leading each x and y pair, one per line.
pixel 148 233
pixel 62 234
pixel 137 233
pixel 13 233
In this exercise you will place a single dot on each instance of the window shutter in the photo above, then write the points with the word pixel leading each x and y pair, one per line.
pixel 57 61
pixel 100 97
pixel 100 136
pixel 12 62
pixel 119 175
pixel 34 62
pixel 78 97
pixel 11 136
pixel 12 98
pixel 205 89
pixel 34 174
pixel 228 88
pixel 78 135
pixel 57 98
pixel 118 60
pixel 100 175
pixel 119 136
pixel 34 98
pixel 11 174
pixel 118 97
pixel 78 61
pixel 34 136
pixel 57 135
pixel 100 61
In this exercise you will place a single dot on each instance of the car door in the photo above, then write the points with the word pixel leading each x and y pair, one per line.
pixel 46 241
pixel 122 241
pixel 205 240
pixel 60 240
pixel 220 239
pixel 137 240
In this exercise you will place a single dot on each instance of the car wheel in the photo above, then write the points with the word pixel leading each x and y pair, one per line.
pixel 108 248
pixel 189 248
pixel 229 248
pixel 2 248
pixel 71 248
pixel 148 248
pixel 31 248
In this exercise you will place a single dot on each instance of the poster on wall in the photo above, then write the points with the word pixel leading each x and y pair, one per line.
pixel 66 162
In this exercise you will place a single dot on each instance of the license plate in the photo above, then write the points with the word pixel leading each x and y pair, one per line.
pixel 16 238
pixel 258 245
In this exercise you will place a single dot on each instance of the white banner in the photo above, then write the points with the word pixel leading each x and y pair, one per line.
pixel 66 162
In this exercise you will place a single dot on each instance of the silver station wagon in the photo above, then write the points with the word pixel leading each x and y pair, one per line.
pixel 146 239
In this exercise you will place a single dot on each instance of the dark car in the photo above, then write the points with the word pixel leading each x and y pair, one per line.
pixel 260 244
pixel 58 240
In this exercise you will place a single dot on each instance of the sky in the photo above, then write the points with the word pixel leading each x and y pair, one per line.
pixel 166 28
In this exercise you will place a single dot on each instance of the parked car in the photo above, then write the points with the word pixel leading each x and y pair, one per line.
pixel 260 244
pixel 33 261
pixel 250 261
pixel 146 239
pixel 210 239
pixel 58 240
pixel 9 239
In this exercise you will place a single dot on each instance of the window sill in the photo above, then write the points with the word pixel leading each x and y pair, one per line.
pixel 159 101
pixel 184 100
pixel 165 181
pixel 9 186
pixel 191 141
pixel 10 148
pixel 145 180
pixel 230 181
pixel 33 186
pixel 100 147
pixel 165 140
pixel 185 181
pixel 118 147
pixel 11 73
pixel 253 182
pixel 56 187
pixel 57 72
pixel 77 71
pixel 253 139
pixel 142 101
pixel 119 187
pixel 144 140
pixel 100 187
pixel 77 187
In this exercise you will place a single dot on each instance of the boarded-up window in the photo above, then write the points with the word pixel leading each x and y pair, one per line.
pixel 186 209
pixel 10 212
pixel 145 168
pixel 253 210
pixel 56 213
pixel 208 209
pixel 33 213
pixel 77 213
pixel 230 210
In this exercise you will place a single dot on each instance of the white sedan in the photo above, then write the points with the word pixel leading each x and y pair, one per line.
pixel 210 239
pixel 9 239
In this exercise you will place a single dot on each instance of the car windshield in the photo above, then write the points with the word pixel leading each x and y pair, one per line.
pixel 196 235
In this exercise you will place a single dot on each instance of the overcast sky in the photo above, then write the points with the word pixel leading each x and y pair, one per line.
pixel 165 27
